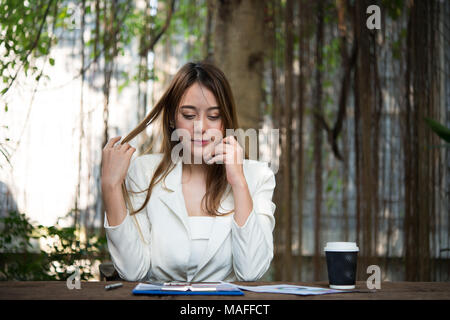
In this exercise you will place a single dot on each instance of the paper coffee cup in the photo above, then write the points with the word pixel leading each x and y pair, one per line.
pixel 341 264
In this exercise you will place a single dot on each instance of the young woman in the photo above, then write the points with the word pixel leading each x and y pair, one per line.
pixel 172 219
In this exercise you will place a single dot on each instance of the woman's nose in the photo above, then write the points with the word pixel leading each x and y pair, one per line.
pixel 201 125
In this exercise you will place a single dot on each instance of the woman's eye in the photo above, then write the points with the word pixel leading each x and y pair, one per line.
pixel 188 116
pixel 214 117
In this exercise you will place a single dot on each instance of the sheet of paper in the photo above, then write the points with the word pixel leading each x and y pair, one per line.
pixel 148 286
pixel 290 289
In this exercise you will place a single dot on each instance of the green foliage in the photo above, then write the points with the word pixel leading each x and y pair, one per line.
pixel 189 21
pixel 394 8
pixel 27 35
pixel 331 55
pixel 439 129
pixel 333 186
pixel 331 65
pixel 330 16
pixel 22 259
pixel 397 46
pixel 28 32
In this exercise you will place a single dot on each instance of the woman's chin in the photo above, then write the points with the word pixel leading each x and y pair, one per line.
pixel 197 155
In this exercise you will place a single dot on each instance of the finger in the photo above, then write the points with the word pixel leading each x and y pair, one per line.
pixel 130 151
pixel 208 152
pixel 112 141
pixel 125 146
pixel 230 140
pixel 219 149
pixel 232 154
pixel 222 149
pixel 223 159
pixel 217 159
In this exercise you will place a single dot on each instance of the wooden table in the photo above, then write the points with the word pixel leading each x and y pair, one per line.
pixel 397 300
pixel 57 290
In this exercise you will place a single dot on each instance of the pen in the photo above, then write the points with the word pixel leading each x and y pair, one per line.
pixel 113 286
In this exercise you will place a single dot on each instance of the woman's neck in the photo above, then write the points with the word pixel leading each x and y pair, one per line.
pixel 195 170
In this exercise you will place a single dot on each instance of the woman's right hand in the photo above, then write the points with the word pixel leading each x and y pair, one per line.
pixel 115 162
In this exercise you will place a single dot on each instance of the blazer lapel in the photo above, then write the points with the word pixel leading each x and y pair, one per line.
pixel 173 195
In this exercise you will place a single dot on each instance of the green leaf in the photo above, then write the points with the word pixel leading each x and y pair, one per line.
pixel 43 50
pixel 52 61
pixel 6 107
pixel 439 129
pixel 329 187
pixel 63 13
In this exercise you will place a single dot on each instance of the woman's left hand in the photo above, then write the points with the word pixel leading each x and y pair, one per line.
pixel 230 153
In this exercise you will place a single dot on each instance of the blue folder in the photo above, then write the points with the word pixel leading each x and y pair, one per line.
pixel 229 291
pixel 189 293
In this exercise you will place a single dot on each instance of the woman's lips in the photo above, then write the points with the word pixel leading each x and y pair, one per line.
pixel 200 142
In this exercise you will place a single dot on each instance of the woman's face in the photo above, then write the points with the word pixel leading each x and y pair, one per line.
pixel 199 114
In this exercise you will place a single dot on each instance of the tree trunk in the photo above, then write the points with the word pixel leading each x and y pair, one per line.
pixel 207 48
pixel 239 52
pixel 81 124
pixel 303 52
pixel 318 140
pixel 342 14
pixel 287 141
pixel 420 102
pixel 366 75
pixel 276 119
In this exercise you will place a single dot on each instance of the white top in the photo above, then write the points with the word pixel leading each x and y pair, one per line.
pixel 200 228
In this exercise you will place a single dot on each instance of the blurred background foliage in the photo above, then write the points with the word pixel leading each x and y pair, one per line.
pixel 23 259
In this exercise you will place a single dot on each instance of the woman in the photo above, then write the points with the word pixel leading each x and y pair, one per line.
pixel 169 218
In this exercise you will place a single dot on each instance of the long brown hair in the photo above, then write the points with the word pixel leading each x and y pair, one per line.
pixel 213 79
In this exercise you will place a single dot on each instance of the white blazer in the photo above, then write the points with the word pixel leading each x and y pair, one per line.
pixel 154 244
